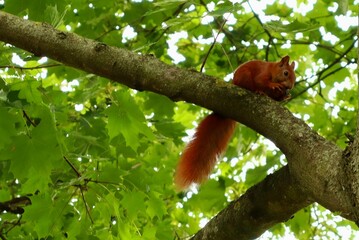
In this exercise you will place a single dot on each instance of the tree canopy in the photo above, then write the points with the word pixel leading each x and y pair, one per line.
pixel 98 99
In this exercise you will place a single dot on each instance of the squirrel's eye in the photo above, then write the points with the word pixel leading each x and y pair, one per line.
pixel 286 73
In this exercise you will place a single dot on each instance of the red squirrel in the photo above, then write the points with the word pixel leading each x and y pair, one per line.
pixel 212 135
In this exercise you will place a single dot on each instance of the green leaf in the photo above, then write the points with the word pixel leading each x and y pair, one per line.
pixel 293 27
pixel 161 105
pixel 224 8
pixel 210 197
pixel 28 91
pixel 300 222
pixel 281 10
pixel 120 123
pixel 53 16
pixel 177 21
pixel 126 119
pixel 40 215
pixel 35 156
pixel 133 203
pixel 155 207
pixel 7 126
pixel 149 232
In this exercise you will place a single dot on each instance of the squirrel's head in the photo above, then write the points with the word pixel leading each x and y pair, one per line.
pixel 285 73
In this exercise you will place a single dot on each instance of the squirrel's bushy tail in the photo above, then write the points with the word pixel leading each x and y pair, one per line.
pixel 199 157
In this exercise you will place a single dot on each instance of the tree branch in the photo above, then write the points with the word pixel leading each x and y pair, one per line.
pixel 314 168
pixel 273 200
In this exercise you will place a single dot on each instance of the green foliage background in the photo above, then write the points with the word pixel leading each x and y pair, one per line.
pixel 97 159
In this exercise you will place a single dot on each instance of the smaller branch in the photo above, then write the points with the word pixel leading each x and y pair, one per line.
pixel 31 68
pixel 28 118
pixel 73 167
pixel 103 182
pixel 267 48
pixel 318 45
pixel 348 38
pixel 337 60
pixel 320 76
pixel 228 34
pixel 319 80
pixel 15 205
pixel 212 45
pixel 270 37
pixel 105 33
pixel 176 12
pixel 17 223
pixel 86 205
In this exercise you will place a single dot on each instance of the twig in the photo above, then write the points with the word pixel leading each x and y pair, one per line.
pixel 14 225
pixel 212 45
pixel 86 205
pixel 30 68
pixel 270 37
pixel 28 118
pixel 320 76
pixel 73 167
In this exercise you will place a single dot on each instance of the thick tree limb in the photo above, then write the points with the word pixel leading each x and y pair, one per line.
pixel 261 207
pixel 351 164
pixel 314 171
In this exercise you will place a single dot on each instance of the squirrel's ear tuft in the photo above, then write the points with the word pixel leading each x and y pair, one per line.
pixel 284 61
